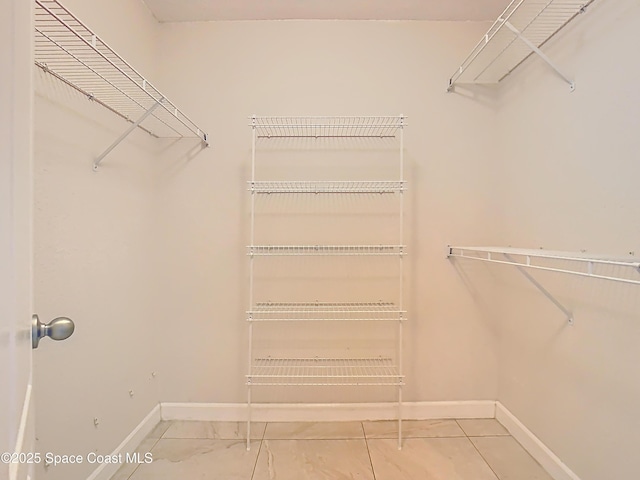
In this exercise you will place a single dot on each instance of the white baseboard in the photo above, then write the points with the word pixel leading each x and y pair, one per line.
pixel 106 470
pixel 532 444
pixel 320 412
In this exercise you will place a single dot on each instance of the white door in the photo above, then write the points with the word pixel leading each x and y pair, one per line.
pixel 16 395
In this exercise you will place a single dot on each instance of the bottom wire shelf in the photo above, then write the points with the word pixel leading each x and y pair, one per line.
pixel 324 371
pixel 320 311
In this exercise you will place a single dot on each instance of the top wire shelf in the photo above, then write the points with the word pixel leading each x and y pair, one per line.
pixel 319 127
pixel 67 49
pixel 523 27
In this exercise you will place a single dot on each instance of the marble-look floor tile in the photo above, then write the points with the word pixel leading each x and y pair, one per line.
pixel 201 459
pixel 313 460
pixel 413 429
pixel 480 427
pixel 159 429
pixel 508 459
pixel 214 430
pixel 428 459
pixel 127 469
pixel 313 430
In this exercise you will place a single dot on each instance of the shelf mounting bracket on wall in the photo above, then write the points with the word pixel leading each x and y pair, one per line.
pixel 578 263
pixel 133 126
pixel 540 53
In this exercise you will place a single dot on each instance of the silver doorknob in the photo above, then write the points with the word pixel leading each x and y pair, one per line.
pixel 59 328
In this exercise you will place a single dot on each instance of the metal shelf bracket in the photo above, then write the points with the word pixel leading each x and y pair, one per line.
pixel 540 53
pixel 543 290
pixel 133 126
pixel 583 265
pixel 528 276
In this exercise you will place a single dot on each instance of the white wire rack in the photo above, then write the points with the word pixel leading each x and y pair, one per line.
pixel 329 250
pixel 67 49
pixel 325 311
pixel 317 127
pixel 324 371
pixel 520 31
pixel 365 186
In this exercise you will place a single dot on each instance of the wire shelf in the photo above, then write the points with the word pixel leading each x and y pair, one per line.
pixel 324 371
pixel 574 263
pixel 328 250
pixel 500 51
pixel 324 311
pixel 318 127
pixel 67 49
pixel 356 187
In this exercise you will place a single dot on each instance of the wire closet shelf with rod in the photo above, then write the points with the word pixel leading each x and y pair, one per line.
pixel 522 30
pixel 68 50
pixel 357 139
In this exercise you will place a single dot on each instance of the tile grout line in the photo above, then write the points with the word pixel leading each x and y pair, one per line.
pixel 255 464
pixel 484 459
pixel 130 476
pixel 476 449
pixel 523 448
pixel 366 442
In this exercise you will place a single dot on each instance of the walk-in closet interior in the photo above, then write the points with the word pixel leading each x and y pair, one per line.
pixel 338 212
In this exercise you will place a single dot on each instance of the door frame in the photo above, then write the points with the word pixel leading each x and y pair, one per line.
pixel 17 432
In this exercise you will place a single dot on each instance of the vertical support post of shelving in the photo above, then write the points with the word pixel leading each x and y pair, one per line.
pixel 401 293
pixel 251 259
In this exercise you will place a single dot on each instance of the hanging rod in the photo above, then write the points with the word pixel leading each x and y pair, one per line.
pixel 580 263
pixel 518 33
pixel 68 50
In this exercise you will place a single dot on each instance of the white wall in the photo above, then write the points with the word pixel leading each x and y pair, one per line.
pixel 556 170
pixel 569 178
pixel 94 254
pixel 223 72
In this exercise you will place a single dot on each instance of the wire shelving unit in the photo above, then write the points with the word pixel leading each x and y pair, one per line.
pixel 277 370
pixel 71 52
pixel 519 32
pixel 624 269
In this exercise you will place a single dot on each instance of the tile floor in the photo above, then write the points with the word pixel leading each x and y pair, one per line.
pixel 432 450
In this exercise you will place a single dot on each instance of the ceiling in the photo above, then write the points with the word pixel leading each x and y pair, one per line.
pixel 206 10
